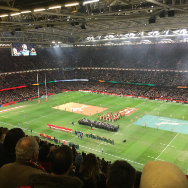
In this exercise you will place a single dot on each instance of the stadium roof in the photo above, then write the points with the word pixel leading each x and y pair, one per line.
pixel 47 21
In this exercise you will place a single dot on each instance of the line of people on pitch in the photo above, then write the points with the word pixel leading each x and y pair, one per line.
pixel 99 124
pixel 100 138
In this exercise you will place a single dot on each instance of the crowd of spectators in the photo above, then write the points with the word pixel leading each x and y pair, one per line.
pixel 130 76
pixel 166 83
pixel 144 91
pixel 120 89
pixel 27 161
pixel 169 79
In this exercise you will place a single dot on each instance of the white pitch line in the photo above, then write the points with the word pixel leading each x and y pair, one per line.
pixel 161 160
pixel 166 146
pixel 10 109
pixel 151 157
pixel 21 111
pixel 117 133
pixel 103 143
pixel 169 146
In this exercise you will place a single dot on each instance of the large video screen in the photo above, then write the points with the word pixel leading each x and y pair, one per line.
pixel 23 49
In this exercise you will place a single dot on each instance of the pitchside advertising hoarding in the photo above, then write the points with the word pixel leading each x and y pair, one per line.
pixel 23 49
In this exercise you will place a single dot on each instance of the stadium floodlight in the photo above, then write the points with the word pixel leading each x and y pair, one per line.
pixel 90 1
pixel 132 34
pixel 71 4
pixel 54 7
pixel 181 32
pixel 154 33
pixel 15 14
pixel 3 15
pixel 25 11
pixel 40 9
pixel 166 32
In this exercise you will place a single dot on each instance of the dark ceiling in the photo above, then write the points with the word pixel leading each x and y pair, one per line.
pixel 72 25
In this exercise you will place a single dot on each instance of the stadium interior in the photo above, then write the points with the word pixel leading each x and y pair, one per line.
pixel 93 93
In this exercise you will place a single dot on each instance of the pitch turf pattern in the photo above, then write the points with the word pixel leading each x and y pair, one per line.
pixel 143 144
pixel 168 124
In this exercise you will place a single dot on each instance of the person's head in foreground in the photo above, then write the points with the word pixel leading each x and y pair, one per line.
pixel 160 174
pixel 27 149
pixel 61 160
pixel 121 175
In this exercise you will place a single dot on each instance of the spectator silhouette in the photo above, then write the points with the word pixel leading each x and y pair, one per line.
pixel 90 172
pixel 121 175
pixel 62 160
pixel 9 144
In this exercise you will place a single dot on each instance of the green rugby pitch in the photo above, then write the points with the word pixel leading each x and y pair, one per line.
pixel 143 144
